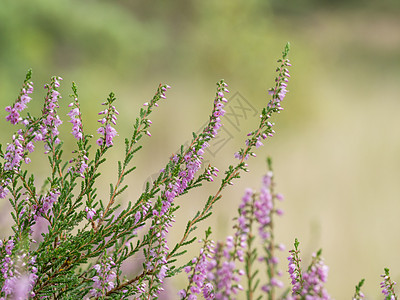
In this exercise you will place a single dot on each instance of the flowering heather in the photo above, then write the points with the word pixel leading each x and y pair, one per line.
pixel 69 242
pixel 80 163
pixel 50 120
pixel 315 277
pixel 21 102
pixel 76 120
pixel 103 281
pixel 106 131
pixel 19 272
pixel 387 286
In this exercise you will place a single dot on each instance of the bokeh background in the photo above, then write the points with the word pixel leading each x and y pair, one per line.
pixel 336 151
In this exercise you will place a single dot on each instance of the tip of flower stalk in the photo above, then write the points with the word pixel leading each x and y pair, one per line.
pixel 286 50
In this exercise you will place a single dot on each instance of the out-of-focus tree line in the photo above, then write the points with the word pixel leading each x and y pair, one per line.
pixel 129 38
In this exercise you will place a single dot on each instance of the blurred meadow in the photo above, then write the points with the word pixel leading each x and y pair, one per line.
pixel 336 152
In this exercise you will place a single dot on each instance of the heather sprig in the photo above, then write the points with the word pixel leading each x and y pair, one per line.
pixel 50 119
pixel 18 270
pixel 295 272
pixel 103 281
pixel 22 100
pixel 315 277
pixel 308 284
pixel 197 270
pixel 387 286
pixel 223 271
pixel 358 294
pixel 80 163
pixel 106 131
pixel 265 209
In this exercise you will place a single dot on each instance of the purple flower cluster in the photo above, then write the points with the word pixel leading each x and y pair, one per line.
pixel 90 213
pixel 222 270
pixel 81 164
pixel 218 111
pixel 104 279
pixel 50 120
pixel 198 275
pixel 263 208
pixel 210 172
pixel 278 93
pixel 19 273
pixel 49 200
pixel 20 104
pixel 387 286
pixel 7 268
pixel 295 272
pixel 259 208
pixel 243 219
pixel 3 187
pixel 75 119
pixel 106 131
pixel 308 284
pixel 314 279
pixel 16 152
pixel 192 163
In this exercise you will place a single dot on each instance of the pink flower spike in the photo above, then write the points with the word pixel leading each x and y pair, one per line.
pixel 146 104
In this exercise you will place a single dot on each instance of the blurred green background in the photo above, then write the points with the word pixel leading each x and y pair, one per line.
pixel 336 151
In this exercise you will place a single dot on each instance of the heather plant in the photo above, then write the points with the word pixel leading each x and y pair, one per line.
pixel 69 242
